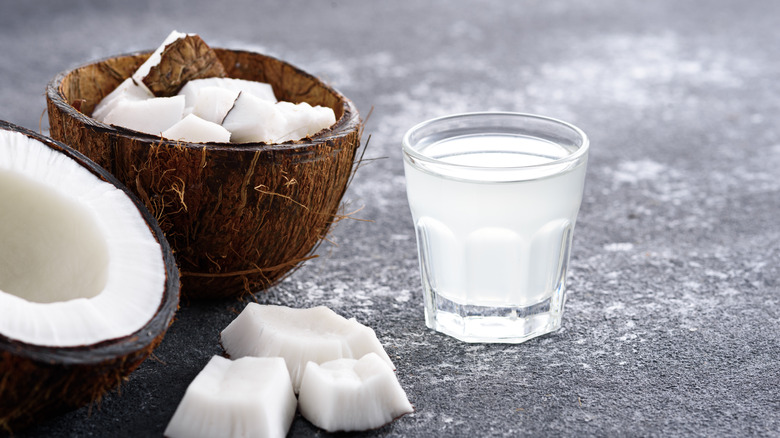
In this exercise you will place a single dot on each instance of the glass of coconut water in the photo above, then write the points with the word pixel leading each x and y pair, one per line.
pixel 494 198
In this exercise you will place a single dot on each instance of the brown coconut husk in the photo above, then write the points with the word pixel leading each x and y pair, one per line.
pixel 239 217
pixel 181 61
pixel 37 382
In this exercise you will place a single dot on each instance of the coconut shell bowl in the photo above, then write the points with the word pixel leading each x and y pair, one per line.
pixel 239 217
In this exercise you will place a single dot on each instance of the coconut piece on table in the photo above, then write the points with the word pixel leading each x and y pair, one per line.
pixel 191 89
pixel 213 103
pixel 246 397
pixel 351 394
pixel 304 120
pixel 129 89
pixel 252 119
pixel 299 336
pixel 152 116
pixel 197 130
pixel 185 59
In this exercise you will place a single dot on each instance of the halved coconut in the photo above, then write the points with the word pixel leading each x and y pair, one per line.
pixel 299 336
pixel 239 218
pixel 248 397
pixel 351 394
pixel 88 283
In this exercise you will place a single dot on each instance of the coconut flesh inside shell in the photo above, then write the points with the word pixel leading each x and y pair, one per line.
pixel 78 264
pixel 88 283
pixel 239 217
pixel 185 65
pixel 46 234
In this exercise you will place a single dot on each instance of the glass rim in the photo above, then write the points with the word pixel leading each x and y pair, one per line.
pixel 581 151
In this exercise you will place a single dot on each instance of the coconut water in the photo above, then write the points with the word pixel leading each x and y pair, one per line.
pixel 494 218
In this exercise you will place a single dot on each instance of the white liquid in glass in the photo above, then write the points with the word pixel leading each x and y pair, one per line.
pixel 490 232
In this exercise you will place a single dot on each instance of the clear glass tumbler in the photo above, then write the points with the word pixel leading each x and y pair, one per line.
pixel 494 198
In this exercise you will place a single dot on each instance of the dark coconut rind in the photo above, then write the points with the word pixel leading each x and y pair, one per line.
pixel 239 217
pixel 37 382
pixel 181 61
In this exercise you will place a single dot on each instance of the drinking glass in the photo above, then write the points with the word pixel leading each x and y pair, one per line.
pixel 494 198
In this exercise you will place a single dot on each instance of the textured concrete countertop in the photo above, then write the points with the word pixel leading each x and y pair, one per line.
pixel 671 324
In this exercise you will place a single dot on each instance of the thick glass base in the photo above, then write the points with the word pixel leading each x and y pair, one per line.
pixel 511 325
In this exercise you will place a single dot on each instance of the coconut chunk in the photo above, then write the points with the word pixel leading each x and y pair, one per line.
pixel 299 336
pixel 196 130
pixel 154 59
pixel 129 89
pixel 184 59
pixel 303 120
pixel 351 394
pixel 191 89
pixel 152 116
pixel 252 119
pixel 213 103
pixel 257 120
pixel 248 397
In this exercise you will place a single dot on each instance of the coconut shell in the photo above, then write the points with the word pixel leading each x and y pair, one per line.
pixel 239 217
pixel 37 382
pixel 181 61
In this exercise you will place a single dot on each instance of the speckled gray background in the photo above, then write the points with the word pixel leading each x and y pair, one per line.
pixel 671 324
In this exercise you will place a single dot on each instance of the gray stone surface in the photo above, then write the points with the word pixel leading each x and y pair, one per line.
pixel 671 324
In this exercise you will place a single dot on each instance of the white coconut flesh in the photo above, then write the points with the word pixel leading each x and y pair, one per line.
pixel 299 336
pixel 129 89
pixel 195 129
pixel 258 120
pixel 351 394
pixel 252 119
pixel 249 110
pixel 78 263
pixel 248 397
pixel 303 120
pixel 152 116
pixel 192 89
pixel 213 103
